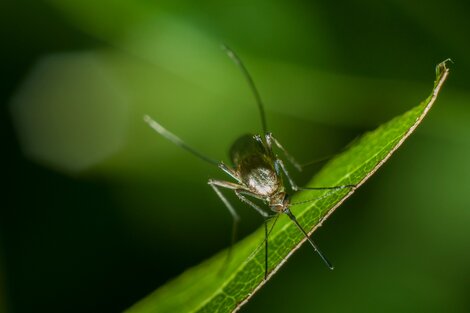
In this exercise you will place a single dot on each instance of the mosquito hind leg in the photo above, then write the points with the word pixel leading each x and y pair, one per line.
pixel 270 139
pixel 280 164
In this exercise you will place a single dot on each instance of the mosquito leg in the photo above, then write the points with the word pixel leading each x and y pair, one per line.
pixel 228 170
pixel 278 163
pixel 240 192
pixel 240 195
pixel 266 241
pixel 275 216
pixel 235 217
pixel 322 256
pixel 270 138
pixel 317 160
pixel 266 251
pixel 176 140
pixel 325 195
pixel 224 184
pixel 327 157
pixel 327 188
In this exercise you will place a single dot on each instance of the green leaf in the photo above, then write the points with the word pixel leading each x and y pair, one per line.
pixel 214 286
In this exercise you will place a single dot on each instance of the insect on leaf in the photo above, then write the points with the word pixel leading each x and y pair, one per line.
pixel 205 288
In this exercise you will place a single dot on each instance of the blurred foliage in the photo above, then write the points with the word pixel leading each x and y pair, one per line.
pixel 96 236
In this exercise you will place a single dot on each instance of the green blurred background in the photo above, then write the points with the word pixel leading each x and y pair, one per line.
pixel 97 210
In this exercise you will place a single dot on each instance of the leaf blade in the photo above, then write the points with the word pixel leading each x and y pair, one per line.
pixel 202 289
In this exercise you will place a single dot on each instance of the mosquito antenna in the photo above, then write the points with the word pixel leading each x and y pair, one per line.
pixel 292 217
pixel 176 140
pixel 247 75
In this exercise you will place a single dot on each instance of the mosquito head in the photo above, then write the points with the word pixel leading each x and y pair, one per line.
pixel 279 202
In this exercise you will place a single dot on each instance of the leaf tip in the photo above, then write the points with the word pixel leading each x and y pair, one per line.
pixel 442 66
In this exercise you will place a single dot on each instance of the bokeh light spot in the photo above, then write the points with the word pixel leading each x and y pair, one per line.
pixel 70 113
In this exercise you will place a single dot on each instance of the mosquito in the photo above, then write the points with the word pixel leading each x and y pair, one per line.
pixel 257 172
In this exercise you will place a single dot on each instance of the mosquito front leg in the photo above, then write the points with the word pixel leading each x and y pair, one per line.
pixel 230 171
pixel 225 184
pixel 279 164
pixel 240 194
pixel 270 138
pixel 235 217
